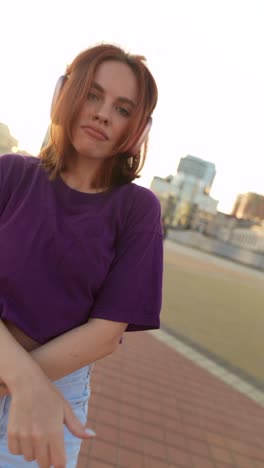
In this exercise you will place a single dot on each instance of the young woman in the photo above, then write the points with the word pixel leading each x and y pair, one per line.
pixel 81 254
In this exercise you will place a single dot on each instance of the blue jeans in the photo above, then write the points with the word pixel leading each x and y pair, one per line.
pixel 76 389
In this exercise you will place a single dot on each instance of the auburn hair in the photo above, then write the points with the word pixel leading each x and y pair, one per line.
pixel 124 166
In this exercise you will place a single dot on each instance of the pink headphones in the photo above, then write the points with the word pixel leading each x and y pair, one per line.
pixel 139 139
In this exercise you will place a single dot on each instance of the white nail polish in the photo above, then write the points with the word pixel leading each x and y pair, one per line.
pixel 90 432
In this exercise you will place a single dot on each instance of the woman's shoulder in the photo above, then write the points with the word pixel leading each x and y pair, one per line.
pixel 17 158
pixel 140 197
pixel 15 163
pixel 141 207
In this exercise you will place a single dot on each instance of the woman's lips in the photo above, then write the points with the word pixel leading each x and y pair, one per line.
pixel 95 133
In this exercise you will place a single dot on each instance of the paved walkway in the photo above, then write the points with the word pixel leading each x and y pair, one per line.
pixel 153 407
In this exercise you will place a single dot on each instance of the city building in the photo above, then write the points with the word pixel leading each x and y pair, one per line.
pixel 249 206
pixel 198 169
pixel 187 192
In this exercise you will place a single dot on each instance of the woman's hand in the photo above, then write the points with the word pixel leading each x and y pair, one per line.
pixel 35 425
pixel 3 389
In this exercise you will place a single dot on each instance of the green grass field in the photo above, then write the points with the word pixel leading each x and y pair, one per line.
pixel 217 305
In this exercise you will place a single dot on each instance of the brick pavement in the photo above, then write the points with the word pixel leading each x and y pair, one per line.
pixel 151 407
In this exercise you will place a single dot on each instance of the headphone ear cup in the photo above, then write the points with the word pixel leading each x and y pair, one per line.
pixel 56 92
pixel 142 137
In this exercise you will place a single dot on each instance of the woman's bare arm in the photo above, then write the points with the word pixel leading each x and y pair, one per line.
pixel 34 430
pixel 16 364
pixel 75 349
pixel 78 347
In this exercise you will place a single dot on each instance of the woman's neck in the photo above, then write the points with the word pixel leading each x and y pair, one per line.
pixel 81 176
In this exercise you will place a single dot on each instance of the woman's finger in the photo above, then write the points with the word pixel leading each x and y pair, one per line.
pixel 74 425
pixel 27 449
pixel 41 449
pixel 57 451
pixel 13 443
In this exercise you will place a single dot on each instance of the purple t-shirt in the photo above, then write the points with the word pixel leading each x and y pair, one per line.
pixel 66 256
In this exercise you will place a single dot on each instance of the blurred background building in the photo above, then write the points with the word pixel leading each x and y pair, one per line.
pixel 187 205
pixel 185 196
pixel 198 169
pixel 249 206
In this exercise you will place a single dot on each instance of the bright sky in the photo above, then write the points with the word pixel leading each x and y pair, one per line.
pixel 206 56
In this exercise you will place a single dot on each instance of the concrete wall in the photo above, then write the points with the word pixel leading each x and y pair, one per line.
pixel 217 247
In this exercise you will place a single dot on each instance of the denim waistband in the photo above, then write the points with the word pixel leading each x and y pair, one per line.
pixel 79 375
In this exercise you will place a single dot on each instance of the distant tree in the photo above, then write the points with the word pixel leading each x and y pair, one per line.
pixel 7 141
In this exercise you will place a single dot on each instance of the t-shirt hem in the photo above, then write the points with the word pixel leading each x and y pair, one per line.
pixel 132 325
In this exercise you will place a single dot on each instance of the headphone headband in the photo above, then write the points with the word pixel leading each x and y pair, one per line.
pixel 56 92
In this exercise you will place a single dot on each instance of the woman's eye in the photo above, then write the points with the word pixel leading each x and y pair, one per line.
pixel 124 112
pixel 92 97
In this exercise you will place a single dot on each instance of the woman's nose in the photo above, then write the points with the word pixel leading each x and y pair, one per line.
pixel 101 118
pixel 103 113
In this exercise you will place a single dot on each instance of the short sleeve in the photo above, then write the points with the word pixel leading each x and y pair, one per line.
pixel 132 290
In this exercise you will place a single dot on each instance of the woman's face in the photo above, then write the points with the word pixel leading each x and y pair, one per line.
pixel 106 114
